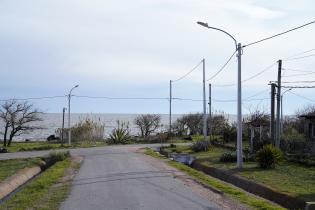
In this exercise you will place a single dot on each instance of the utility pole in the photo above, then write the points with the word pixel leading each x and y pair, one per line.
pixel 239 107
pixel 278 105
pixel 170 128
pixel 210 113
pixel 204 100
pixel 69 125
pixel 272 114
pixel 63 124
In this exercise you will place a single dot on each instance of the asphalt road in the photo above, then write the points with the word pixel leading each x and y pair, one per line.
pixel 117 178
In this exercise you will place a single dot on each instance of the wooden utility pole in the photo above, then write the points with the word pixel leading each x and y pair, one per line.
pixel 277 143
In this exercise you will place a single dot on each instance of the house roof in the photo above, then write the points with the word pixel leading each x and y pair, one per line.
pixel 309 115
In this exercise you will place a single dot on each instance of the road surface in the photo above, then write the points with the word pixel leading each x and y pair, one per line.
pixel 119 178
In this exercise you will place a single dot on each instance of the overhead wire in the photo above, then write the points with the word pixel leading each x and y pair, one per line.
pixel 279 34
pixel 33 98
pixel 222 68
pixel 189 72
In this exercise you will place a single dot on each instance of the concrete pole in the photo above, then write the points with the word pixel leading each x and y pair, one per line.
pixel 278 105
pixel 69 127
pixel 239 108
pixel 63 124
pixel 204 101
pixel 210 113
pixel 272 114
pixel 170 122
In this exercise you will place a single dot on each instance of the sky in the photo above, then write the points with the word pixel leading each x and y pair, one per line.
pixel 132 49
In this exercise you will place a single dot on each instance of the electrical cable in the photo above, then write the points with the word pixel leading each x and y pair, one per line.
pixel 279 34
pixel 182 77
pixel 222 68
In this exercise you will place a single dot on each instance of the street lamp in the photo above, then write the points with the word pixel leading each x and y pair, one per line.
pixel 238 48
pixel 281 102
pixel 69 127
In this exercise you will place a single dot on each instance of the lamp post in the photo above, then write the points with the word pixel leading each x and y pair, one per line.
pixel 281 101
pixel 238 48
pixel 69 127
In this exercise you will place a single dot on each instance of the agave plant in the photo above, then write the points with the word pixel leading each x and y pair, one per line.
pixel 121 134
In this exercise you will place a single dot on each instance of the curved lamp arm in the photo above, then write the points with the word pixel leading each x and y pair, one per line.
pixel 207 26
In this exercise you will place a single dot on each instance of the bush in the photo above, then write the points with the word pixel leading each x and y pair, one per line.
pixel 200 146
pixel 121 134
pixel 228 157
pixel 268 156
pixel 55 156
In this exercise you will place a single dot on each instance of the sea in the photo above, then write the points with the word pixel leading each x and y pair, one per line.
pixel 53 121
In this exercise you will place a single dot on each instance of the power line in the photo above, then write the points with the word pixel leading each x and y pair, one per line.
pixel 301 57
pixel 298 82
pixel 296 70
pixel 182 77
pixel 295 75
pixel 298 54
pixel 278 34
pixel 261 92
pixel 251 77
pixel 222 68
pixel 301 96
pixel 32 98
pixel 121 98
pixel 298 86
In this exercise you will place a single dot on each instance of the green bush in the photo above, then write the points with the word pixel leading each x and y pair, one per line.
pixel 201 146
pixel 120 135
pixel 55 156
pixel 228 157
pixel 269 156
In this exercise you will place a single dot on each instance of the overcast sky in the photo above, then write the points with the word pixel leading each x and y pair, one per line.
pixel 119 48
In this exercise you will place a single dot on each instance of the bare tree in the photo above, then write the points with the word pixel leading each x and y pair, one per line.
pixel 147 123
pixel 17 118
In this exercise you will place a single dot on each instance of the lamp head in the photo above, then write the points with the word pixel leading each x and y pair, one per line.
pixel 203 24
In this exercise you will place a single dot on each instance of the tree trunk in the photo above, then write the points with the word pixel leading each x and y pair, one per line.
pixel 10 138
pixel 5 135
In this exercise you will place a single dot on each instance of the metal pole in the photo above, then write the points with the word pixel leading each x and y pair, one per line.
pixel 278 105
pixel 69 128
pixel 239 108
pixel 204 101
pixel 210 113
pixel 63 124
pixel 170 128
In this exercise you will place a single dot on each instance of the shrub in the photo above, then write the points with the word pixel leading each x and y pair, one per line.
pixel 228 157
pixel 121 134
pixel 200 146
pixel 268 156
pixel 55 156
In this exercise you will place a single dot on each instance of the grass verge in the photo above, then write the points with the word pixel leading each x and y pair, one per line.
pixel 290 178
pixel 10 167
pixel 229 190
pixel 44 145
pixel 46 191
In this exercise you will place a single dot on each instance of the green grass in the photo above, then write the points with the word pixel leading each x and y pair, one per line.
pixel 45 192
pixel 44 145
pixel 10 167
pixel 290 178
pixel 229 190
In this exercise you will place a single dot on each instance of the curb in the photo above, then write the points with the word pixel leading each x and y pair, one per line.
pixel 15 181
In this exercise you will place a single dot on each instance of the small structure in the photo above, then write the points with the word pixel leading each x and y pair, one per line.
pixel 309 125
